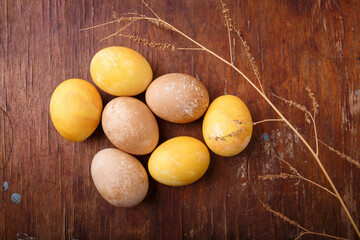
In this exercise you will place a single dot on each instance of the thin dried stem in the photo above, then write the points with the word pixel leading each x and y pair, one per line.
pixel 308 117
pixel 248 54
pixel 148 7
pixel 296 105
pixel 260 91
pixel 318 185
pixel 294 223
pixel 225 11
pixel 293 169
pixel 190 49
pixel 316 136
pixel 315 104
pixel 342 155
pixel 268 120
pixel 315 109
pixel 277 176
pixel 120 19
pixel 319 234
pixel 295 174
pixel 237 132
pixel 159 24
pixel 120 30
pixel 292 176
pixel 282 216
pixel 149 43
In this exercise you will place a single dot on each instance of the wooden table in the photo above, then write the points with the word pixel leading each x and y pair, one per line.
pixel 294 44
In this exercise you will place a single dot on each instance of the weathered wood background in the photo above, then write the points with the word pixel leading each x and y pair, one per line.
pixel 292 42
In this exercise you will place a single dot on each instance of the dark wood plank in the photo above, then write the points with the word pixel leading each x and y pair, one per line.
pixel 292 42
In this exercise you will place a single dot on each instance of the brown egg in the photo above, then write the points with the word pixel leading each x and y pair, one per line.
pixel 119 177
pixel 177 97
pixel 130 125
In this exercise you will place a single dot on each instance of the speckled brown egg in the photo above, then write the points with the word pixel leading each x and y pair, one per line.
pixel 130 125
pixel 119 177
pixel 177 97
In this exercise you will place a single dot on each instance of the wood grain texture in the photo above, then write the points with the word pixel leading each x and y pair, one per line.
pixel 292 42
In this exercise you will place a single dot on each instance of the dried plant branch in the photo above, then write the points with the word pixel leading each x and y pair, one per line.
pixel 248 53
pixel 315 109
pixel 268 120
pixel 237 132
pixel 148 7
pixel 315 104
pixel 342 155
pixel 231 26
pixel 190 49
pixel 119 31
pixel 262 94
pixel 295 174
pixel 225 12
pixel 294 223
pixel 296 105
pixel 319 234
pixel 293 170
pixel 282 216
pixel 124 17
pixel 160 24
pixel 308 117
pixel 149 43
pixel 277 176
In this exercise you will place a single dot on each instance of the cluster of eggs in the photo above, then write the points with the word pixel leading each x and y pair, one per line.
pixel 130 125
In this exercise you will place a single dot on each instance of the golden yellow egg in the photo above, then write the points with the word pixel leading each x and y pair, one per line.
pixel 75 109
pixel 227 126
pixel 179 161
pixel 120 71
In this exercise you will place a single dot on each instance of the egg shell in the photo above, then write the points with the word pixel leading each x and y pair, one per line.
pixel 75 109
pixel 120 71
pixel 119 177
pixel 130 125
pixel 227 126
pixel 179 161
pixel 177 97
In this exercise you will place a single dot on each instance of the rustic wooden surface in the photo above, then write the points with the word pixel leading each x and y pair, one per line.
pixel 292 42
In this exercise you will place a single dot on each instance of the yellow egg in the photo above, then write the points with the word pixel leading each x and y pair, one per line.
pixel 179 161
pixel 75 109
pixel 227 126
pixel 120 71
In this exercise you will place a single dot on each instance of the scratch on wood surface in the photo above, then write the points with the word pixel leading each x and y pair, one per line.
pixel 354 103
pixel 351 203
pixel 225 217
pixel 12 138
pixel 226 84
pixel 212 220
pixel 64 223
pixel 328 28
